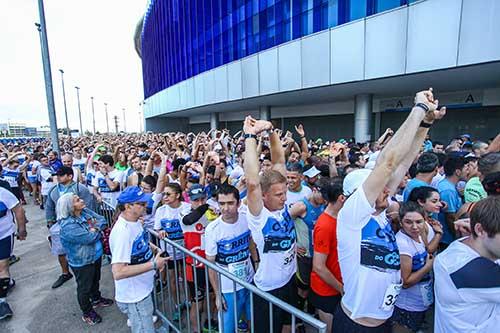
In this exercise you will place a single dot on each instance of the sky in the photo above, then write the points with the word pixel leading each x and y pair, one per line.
pixel 92 41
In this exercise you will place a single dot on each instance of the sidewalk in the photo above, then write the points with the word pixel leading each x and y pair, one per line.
pixel 37 307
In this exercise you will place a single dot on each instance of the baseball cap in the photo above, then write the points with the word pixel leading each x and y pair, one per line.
pixel 132 194
pixel 354 180
pixel 64 170
pixel 312 172
pixel 196 192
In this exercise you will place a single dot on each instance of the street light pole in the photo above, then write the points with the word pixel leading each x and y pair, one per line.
pixel 124 126
pixel 79 110
pixel 93 114
pixel 107 120
pixel 64 99
pixel 49 92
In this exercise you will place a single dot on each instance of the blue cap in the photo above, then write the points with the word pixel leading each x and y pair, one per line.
pixel 132 194
pixel 196 192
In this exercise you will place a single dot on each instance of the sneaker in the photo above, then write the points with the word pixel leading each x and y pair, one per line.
pixel 214 326
pixel 13 259
pixel 11 286
pixel 91 318
pixel 5 310
pixel 102 303
pixel 61 280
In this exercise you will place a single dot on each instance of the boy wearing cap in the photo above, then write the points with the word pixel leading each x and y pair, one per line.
pixel 367 250
pixel 132 263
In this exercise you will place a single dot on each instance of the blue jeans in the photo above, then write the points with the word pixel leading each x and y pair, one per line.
pixel 243 305
pixel 140 314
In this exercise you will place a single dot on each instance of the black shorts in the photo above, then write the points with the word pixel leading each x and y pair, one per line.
pixel 342 323
pixel 412 320
pixel 326 304
pixel 198 291
pixel 304 269
pixel 288 294
pixel 172 263
pixel 6 247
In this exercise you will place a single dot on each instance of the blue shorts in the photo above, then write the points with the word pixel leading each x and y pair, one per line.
pixel 32 180
pixel 6 247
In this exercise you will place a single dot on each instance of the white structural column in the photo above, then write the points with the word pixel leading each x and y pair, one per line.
pixel 265 112
pixel 214 122
pixel 362 117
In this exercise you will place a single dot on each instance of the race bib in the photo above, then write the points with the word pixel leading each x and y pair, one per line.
pixel 289 256
pixel 238 269
pixel 427 293
pixel 391 295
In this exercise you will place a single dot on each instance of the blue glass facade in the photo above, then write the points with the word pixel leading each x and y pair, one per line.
pixel 183 38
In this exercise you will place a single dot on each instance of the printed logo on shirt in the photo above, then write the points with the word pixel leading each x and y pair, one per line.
pixel 103 186
pixel 417 262
pixel 89 178
pixel 279 235
pixel 233 250
pixel 141 252
pixel 173 228
pixel 3 209
pixel 379 249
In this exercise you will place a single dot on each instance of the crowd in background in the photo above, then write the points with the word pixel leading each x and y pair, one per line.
pixel 367 236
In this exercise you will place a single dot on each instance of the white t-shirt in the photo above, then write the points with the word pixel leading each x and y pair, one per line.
pixel 467 289
pixel 129 243
pixel 293 197
pixel 80 163
pixel 169 219
pixel 46 180
pixel 152 205
pixel 436 179
pixel 368 258
pixel 32 169
pixel 76 174
pixel 108 195
pixel 7 202
pixel 421 295
pixel 229 243
pixel 275 237
pixel 89 179
pixel 11 175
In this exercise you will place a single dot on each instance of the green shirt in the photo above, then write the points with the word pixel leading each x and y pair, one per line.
pixel 474 190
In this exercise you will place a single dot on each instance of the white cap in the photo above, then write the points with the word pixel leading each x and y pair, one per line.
pixel 354 180
pixel 312 172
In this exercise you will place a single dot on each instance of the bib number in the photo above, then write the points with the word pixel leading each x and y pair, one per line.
pixel 391 295
pixel 427 293
pixel 289 256
pixel 238 269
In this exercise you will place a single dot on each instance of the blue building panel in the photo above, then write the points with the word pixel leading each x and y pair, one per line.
pixel 183 38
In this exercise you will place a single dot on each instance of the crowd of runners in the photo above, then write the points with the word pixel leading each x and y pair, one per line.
pixel 368 237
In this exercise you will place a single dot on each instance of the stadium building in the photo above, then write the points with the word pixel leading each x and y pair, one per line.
pixel 343 68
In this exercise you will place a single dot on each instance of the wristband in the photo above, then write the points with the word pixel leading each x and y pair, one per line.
pixel 425 125
pixel 250 136
pixel 154 265
pixel 422 106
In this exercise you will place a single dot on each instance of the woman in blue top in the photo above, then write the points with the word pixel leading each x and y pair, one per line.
pixel 81 238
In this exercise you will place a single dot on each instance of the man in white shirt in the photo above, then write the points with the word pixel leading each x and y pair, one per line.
pixel 228 244
pixel 9 208
pixel 132 263
pixel 367 248
pixel 467 275
pixel 107 181
pixel 273 230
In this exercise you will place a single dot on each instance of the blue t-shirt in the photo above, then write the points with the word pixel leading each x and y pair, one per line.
pixel 412 184
pixel 449 194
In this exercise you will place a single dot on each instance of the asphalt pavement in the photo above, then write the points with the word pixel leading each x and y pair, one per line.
pixel 39 308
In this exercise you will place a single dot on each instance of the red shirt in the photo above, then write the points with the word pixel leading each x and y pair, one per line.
pixel 325 241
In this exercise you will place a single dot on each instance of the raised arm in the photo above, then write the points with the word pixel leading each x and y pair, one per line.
pixel 277 153
pixel 304 154
pixel 400 146
pixel 251 128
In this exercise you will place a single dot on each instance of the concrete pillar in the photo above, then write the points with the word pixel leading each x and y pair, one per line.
pixel 214 121
pixel 362 117
pixel 265 112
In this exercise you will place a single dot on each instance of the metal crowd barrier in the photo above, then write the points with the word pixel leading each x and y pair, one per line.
pixel 170 303
pixel 105 209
